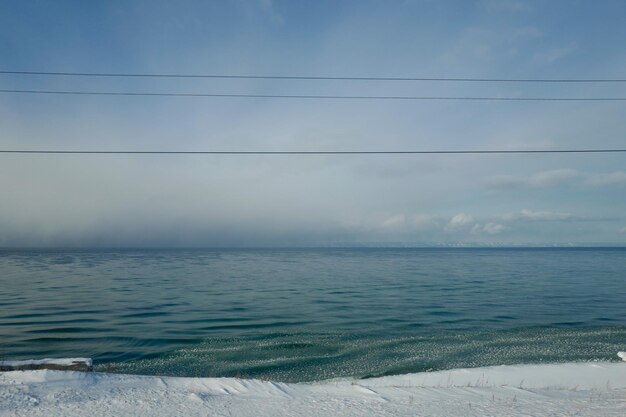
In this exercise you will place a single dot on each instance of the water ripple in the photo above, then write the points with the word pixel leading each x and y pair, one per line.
pixel 312 313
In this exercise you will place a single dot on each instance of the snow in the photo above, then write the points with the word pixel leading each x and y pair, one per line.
pixel 622 355
pixel 582 389
pixel 48 361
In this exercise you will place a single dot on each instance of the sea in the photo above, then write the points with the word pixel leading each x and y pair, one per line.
pixel 312 314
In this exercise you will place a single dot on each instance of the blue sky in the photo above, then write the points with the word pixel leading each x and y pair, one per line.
pixel 312 200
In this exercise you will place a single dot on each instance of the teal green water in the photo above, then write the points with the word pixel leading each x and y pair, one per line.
pixel 309 314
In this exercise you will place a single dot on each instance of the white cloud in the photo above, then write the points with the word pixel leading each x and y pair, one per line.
pixel 410 222
pixel 395 221
pixel 544 215
pixel 558 177
pixel 494 228
pixel 459 221
pixel 490 228
pixel 423 221
pixel 623 230
pixel 540 180
pixel 614 178
pixel 526 214
pixel 553 177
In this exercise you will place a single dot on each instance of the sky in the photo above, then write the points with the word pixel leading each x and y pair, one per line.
pixel 312 200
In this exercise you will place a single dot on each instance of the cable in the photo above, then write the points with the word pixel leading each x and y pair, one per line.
pixel 288 77
pixel 482 151
pixel 323 97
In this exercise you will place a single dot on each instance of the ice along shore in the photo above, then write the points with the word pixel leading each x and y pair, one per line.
pixel 582 389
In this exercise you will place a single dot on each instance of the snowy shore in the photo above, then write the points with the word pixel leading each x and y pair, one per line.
pixel 582 389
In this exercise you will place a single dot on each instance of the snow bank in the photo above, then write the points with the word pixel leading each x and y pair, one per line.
pixel 64 364
pixel 48 361
pixel 583 389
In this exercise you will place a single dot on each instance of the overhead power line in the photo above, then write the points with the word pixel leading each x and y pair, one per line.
pixel 320 78
pixel 303 96
pixel 463 151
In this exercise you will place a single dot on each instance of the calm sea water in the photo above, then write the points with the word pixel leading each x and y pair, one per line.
pixel 308 314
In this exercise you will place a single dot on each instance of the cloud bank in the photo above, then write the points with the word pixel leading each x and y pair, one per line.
pixel 321 200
